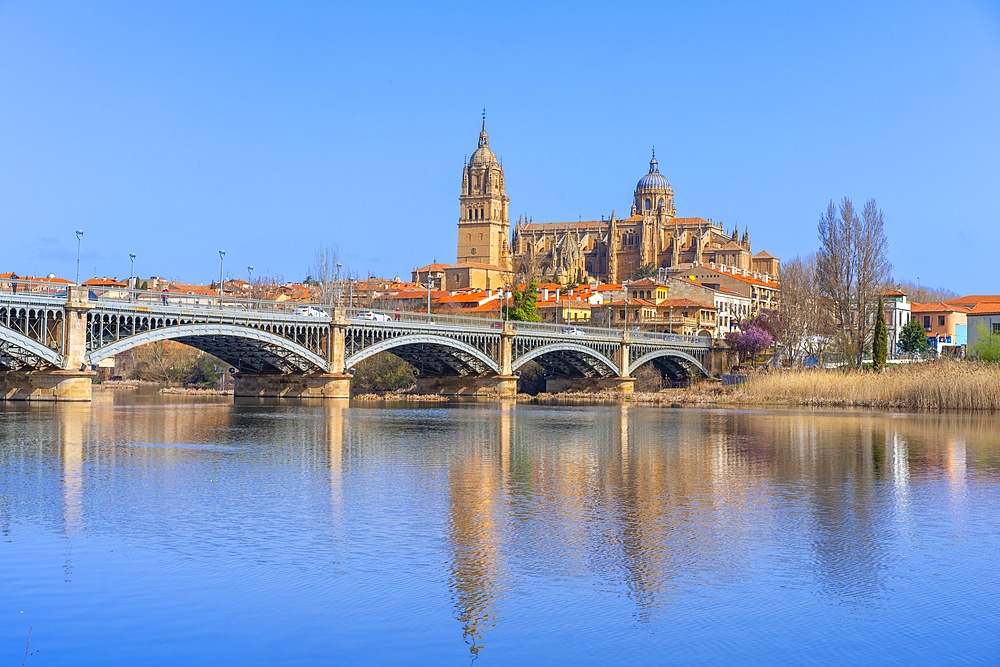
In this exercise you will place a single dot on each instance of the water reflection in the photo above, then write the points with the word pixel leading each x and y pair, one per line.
pixel 563 506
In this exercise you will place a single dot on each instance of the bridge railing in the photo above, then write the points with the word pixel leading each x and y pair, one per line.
pixel 21 288
pixel 404 317
pixel 191 300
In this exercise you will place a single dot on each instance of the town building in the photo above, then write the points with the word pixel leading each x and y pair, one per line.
pixel 896 310
pixel 944 324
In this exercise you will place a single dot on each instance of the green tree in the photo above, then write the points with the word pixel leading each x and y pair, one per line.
pixel 525 303
pixel 381 373
pixel 645 271
pixel 880 343
pixel 987 347
pixel 912 338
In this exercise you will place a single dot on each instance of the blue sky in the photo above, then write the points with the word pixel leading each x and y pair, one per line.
pixel 270 130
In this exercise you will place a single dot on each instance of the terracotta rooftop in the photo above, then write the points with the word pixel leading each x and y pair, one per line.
pixel 937 307
pixel 974 299
pixel 434 268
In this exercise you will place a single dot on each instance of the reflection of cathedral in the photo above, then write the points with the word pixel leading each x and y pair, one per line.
pixel 612 250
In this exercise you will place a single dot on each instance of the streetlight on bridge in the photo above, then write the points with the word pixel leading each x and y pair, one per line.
pixel 430 281
pixel 131 277
pixel 339 285
pixel 79 238
pixel 222 260
pixel 250 279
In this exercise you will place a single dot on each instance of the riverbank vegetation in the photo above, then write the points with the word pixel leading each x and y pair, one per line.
pixel 942 385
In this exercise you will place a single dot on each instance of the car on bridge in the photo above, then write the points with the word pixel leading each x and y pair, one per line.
pixel 372 316
pixel 309 311
pixel 573 331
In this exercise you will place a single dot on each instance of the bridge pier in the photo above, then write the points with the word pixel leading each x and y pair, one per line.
pixel 618 385
pixel 46 386
pixel 293 385
pixel 462 385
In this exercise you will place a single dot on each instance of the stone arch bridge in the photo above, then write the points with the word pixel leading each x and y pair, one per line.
pixel 49 344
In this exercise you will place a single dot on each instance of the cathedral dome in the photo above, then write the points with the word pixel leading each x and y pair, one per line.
pixel 483 156
pixel 654 180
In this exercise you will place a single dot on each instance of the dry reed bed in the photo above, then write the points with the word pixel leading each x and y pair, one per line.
pixel 956 385
pixel 196 391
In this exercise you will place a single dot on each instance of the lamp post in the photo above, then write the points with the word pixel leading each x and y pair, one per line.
pixel 430 282
pixel 79 238
pixel 222 260
pixel 339 266
pixel 250 279
pixel 671 320
pixel 131 277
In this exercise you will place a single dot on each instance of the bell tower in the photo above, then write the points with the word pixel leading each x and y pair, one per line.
pixel 483 219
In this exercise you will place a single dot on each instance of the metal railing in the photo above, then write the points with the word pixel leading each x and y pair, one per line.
pixel 410 317
pixel 228 306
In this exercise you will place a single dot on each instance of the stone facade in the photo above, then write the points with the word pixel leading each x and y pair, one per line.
pixel 483 219
pixel 611 249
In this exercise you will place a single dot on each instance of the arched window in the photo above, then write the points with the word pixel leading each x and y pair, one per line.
pixel 659 204
pixel 649 203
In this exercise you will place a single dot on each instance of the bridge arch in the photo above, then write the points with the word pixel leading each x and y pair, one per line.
pixel 676 363
pixel 17 351
pixel 569 359
pixel 248 349
pixel 439 355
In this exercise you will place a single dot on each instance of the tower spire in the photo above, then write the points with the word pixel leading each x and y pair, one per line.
pixel 484 140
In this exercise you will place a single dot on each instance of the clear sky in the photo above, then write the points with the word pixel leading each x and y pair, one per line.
pixel 270 129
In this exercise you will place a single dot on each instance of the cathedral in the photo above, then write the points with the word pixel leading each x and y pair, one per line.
pixel 611 250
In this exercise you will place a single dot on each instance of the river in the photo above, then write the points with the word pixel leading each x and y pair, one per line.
pixel 170 530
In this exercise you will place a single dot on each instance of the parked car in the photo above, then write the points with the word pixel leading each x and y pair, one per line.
pixel 573 331
pixel 309 311
pixel 372 316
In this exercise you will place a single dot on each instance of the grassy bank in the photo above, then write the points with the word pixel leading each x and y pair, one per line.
pixel 945 385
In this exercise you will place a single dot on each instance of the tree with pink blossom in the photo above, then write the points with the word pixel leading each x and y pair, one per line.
pixel 749 341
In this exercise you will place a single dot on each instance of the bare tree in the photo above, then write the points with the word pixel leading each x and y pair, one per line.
pixel 804 313
pixel 325 274
pixel 853 269
pixel 922 294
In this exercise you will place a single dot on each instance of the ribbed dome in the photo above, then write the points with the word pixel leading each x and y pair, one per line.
pixel 483 156
pixel 654 180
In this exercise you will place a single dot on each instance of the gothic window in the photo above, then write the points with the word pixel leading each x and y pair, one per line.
pixel 480 237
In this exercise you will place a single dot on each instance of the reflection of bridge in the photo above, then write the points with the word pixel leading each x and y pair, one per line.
pixel 50 342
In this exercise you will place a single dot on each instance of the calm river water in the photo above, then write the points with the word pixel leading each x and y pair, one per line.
pixel 147 530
